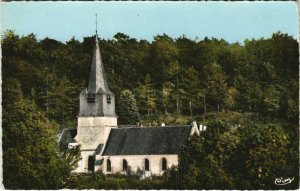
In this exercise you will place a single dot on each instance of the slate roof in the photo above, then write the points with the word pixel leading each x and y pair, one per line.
pixel 99 149
pixel 146 140
pixel 67 137
pixel 97 77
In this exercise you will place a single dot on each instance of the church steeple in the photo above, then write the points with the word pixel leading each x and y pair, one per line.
pixel 97 78
pixel 96 112
pixel 97 99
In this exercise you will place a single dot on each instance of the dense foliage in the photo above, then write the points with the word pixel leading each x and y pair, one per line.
pixel 166 76
pixel 127 109
pixel 242 157
pixel 30 160
pixel 166 80
pixel 98 180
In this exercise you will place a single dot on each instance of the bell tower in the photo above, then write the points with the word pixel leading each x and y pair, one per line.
pixel 97 100
pixel 96 111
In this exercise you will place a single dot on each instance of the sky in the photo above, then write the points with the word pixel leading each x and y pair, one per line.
pixel 232 21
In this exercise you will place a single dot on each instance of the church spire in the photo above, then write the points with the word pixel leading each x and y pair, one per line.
pixel 97 78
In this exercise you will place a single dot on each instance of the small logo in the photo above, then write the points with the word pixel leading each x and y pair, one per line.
pixel 280 181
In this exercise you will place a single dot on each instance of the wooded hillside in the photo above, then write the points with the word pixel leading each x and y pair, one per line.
pixel 175 76
pixel 246 93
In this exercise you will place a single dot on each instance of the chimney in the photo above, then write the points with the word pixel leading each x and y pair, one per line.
pixel 200 128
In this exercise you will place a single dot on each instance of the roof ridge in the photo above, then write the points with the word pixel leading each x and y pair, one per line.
pixel 148 127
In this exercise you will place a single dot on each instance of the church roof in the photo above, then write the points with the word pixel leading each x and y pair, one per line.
pixel 97 77
pixel 67 137
pixel 146 140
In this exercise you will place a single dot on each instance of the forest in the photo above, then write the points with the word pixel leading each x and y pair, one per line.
pixel 246 93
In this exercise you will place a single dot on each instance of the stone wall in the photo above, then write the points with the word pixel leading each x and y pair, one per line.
pixel 92 131
pixel 136 161
pixel 97 121
pixel 83 163
pixel 100 106
pixel 109 107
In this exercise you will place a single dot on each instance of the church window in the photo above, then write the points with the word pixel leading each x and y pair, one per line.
pixel 91 98
pixel 108 98
pixel 125 165
pixel 108 167
pixel 164 164
pixel 146 165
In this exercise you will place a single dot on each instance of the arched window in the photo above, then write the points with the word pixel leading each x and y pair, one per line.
pixel 124 165
pixel 91 163
pixel 164 164
pixel 108 165
pixel 146 165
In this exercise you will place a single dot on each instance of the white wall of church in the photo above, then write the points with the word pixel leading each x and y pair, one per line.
pixel 97 121
pixel 83 163
pixel 92 131
pixel 137 161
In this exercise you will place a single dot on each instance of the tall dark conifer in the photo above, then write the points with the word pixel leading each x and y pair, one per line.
pixel 127 109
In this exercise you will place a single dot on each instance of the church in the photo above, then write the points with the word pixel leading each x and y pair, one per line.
pixel 110 148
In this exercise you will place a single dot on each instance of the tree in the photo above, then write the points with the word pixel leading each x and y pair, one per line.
pixel 163 52
pixel 271 101
pixel 121 38
pixel 190 85
pixel 30 158
pixel 70 158
pixel 262 157
pixel 201 162
pixel 167 96
pixel 63 102
pixel 127 109
pixel 230 100
pixel 245 157
pixel 215 83
pixel 146 96
pixel 249 91
pixel 173 73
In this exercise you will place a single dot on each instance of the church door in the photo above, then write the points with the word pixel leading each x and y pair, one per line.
pixel 91 163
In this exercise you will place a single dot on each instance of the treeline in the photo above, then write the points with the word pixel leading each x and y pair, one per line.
pixel 246 94
pixel 166 76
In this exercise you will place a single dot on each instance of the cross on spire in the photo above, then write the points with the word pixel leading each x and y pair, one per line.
pixel 96 24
